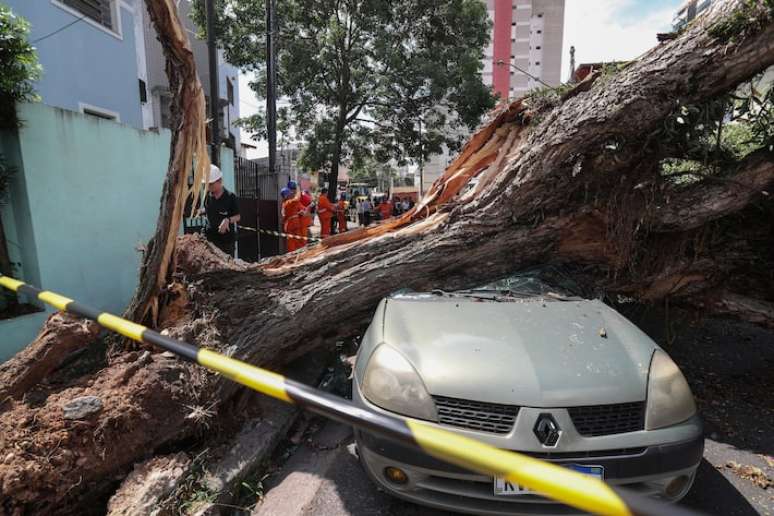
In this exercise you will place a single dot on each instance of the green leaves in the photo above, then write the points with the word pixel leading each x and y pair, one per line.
pixel 392 80
pixel 18 66
pixel 708 139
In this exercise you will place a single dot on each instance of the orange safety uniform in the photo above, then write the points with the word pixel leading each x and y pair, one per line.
pixel 325 209
pixel 291 222
pixel 341 212
pixel 385 208
pixel 306 216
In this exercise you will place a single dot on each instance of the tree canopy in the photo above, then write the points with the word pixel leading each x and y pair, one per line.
pixel 19 66
pixel 366 78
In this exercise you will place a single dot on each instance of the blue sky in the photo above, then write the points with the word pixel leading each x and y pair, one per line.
pixel 635 10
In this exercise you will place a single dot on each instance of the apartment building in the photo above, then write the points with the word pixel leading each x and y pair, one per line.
pixel 102 58
pixel 526 37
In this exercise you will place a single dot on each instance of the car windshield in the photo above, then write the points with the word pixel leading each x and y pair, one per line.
pixel 544 283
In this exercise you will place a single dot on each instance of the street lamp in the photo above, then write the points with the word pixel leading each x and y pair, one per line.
pixel 500 62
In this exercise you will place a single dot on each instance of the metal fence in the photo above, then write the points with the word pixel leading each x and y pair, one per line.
pixel 258 193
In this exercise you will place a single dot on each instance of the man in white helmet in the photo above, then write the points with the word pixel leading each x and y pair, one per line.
pixel 222 211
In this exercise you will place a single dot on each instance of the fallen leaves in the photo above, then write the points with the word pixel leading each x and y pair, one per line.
pixel 751 473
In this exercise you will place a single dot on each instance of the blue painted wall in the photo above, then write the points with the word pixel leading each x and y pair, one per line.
pixel 85 197
pixel 83 63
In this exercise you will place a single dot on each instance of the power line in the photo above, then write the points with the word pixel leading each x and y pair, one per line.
pixel 243 101
pixel 500 62
pixel 57 31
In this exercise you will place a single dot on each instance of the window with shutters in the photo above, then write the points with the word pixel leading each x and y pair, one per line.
pixel 101 11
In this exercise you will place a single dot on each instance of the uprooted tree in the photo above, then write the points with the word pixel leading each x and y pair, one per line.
pixel 574 177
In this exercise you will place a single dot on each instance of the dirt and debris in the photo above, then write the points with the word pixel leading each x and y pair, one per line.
pixel 751 473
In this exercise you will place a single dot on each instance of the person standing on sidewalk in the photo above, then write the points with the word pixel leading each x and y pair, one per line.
pixel 341 212
pixel 291 219
pixel 306 215
pixel 385 209
pixel 325 209
pixel 222 210
pixel 366 212
pixel 359 206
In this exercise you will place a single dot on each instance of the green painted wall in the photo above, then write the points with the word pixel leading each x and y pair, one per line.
pixel 85 198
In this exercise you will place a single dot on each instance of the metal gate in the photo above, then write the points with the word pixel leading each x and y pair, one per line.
pixel 259 204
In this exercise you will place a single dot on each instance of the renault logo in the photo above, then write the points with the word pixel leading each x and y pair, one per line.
pixel 547 430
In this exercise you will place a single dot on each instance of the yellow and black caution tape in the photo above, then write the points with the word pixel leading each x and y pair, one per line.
pixel 279 234
pixel 556 482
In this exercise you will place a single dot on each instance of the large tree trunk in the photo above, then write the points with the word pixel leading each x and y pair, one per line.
pixel 188 148
pixel 552 190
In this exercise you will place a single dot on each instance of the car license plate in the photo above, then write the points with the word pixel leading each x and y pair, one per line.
pixel 504 488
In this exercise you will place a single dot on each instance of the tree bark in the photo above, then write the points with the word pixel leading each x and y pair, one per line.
pixel 333 180
pixel 188 154
pixel 552 190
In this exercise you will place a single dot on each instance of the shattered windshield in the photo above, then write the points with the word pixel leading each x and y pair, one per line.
pixel 544 283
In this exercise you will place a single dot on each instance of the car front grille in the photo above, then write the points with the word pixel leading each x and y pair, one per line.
pixel 596 420
pixel 476 415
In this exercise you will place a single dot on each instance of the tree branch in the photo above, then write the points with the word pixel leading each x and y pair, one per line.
pixel 694 206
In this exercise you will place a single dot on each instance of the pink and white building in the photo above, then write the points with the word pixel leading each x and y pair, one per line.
pixel 526 35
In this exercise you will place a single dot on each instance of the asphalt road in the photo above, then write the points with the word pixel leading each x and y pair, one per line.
pixel 728 365
pixel 324 478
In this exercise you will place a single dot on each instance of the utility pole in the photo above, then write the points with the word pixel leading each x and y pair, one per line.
pixel 271 84
pixel 572 62
pixel 421 162
pixel 212 56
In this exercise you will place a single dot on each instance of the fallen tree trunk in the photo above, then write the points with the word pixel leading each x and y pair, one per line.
pixel 574 184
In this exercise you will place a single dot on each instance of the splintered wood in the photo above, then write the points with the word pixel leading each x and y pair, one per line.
pixel 484 155
pixel 189 148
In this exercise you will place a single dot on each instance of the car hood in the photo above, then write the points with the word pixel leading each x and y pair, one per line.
pixel 523 352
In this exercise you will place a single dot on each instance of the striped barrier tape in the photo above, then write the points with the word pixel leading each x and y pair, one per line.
pixel 279 234
pixel 556 482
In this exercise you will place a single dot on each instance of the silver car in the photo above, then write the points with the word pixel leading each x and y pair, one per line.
pixel 565 379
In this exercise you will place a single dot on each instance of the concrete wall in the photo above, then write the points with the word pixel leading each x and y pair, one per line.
pixel 85 197
pixel 85 63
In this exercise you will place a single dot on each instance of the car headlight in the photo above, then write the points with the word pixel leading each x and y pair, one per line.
pixel 669 398
pixel 391 383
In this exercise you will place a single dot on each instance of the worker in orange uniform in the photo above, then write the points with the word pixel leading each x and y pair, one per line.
pixel 325 210
pixel 306 215
pixel 341 212
pixel 385 208
pixel 291 219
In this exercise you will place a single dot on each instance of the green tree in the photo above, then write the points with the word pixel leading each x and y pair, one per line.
pixel 18 66
pixel 18 69
pixel 376 174
pixel 366 78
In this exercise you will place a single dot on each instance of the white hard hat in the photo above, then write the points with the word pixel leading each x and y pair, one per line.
pixel 215 174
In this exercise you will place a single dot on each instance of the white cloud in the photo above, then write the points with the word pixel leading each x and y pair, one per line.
pixel 601 31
